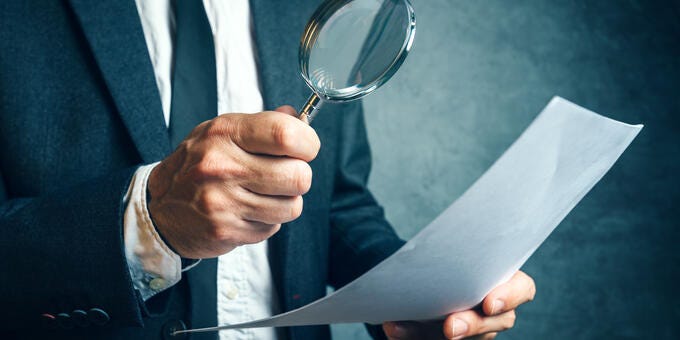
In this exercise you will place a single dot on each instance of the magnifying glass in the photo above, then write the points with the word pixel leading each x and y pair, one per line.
pixel 351 47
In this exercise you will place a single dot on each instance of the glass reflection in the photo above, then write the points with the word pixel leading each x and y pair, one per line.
pixel 351 47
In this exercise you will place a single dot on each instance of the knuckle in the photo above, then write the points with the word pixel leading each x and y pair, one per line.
pixel 303 177
pixel 214 127
pixel 226 127
pixel 209 201
pixel 532 289
pixel 219 234
pixel 208 166
pixel 218 126
pixel 214 164
pixel 510 320
pixel 283 134
pixel 222 232
pixel 316 143
pixel 239 127
pixel 296 208
pixel 184 147
pixel 236 170
pixel 288 211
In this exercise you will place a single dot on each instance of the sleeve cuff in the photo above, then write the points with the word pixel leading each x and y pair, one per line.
pixel 153 266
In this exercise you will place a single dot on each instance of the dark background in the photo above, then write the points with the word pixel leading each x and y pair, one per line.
pixel 479 72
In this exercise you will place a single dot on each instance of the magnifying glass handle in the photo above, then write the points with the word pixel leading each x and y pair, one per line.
pixel 311 108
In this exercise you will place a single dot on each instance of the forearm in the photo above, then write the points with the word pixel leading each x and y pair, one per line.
pixel 64 251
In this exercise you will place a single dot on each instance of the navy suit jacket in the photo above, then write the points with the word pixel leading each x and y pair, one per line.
pixel 80 111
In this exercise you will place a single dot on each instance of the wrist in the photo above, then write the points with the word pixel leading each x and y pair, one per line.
pixel 153 265
pixel 187 263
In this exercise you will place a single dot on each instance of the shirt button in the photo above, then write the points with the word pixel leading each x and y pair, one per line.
pixel 157 284
pixel 231 292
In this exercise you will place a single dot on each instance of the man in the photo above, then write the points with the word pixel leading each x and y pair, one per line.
pixel 100 240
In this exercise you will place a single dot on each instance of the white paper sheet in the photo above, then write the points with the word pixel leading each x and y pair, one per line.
pixel 488 233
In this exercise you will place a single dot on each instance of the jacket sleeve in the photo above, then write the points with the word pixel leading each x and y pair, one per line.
pixel 361 237
pixel 63 251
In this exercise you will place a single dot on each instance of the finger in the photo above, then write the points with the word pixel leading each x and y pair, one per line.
pixel 287 109
pixel 237 232
pixel 277 134
pixel 269 209
pixel 508 296
pixel 277 176
pixel 216 199
pixel 223 233
pixel 469 323
pixel 251 232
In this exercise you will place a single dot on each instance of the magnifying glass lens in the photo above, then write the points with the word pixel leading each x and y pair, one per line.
pixel 351 47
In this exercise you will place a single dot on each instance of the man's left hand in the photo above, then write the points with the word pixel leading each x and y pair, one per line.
pixel 497 314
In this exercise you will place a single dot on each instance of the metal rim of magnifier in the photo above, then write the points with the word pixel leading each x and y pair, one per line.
pixel 311 33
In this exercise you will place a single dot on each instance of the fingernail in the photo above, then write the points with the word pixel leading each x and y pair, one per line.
pixel 497 306
pixel 460 327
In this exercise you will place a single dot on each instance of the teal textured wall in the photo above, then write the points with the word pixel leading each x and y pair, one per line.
pixel 479 72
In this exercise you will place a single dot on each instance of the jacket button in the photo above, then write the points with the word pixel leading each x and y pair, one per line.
pixel 173 326
pixel 79 318
pixel 48 321
pixel 98 316
pixel 64 321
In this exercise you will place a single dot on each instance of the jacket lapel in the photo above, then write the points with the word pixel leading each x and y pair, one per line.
pixel 278 26
pixel 115 35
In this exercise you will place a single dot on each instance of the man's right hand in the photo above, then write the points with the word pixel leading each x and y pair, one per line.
pixel 233 181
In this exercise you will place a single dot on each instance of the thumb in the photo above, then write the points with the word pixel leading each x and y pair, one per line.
pixel 287 109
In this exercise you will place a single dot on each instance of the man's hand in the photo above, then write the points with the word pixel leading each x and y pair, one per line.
pixel 233 181
pixel 498 314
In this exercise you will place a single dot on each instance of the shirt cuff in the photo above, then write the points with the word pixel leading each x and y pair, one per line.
pixel 153 266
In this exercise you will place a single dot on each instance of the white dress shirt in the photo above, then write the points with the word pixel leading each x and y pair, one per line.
pixel 244 281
